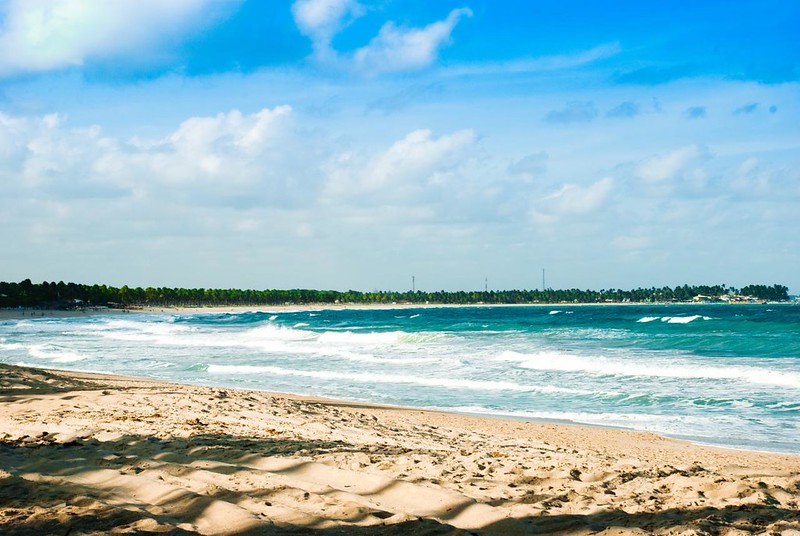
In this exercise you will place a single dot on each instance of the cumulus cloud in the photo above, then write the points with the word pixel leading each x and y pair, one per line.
pixel 243 162
pixel 752 178
pixel 41 35
pixel 403 49
pixel 663 167
pixel 42 156
pixel 417 162
pixel 574 112
pixel 227 159
pixel 575 199
pixel 418 155
pixel 572 200
pixel 222 147
pixel 394 49
pixel 321 20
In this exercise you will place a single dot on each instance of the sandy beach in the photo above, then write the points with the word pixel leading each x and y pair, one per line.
pixel 90 454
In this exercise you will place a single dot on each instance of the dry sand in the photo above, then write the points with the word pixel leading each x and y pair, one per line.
pixel 88 454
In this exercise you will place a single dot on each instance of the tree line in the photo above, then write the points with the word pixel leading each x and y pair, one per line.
pixel 73 295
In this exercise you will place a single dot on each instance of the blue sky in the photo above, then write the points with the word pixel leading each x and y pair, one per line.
pixel 353 144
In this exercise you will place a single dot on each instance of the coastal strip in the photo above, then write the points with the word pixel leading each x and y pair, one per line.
pixel 94 454
pixel 25 313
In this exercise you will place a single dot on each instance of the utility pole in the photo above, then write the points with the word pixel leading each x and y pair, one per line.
pixel 486 285
pixel 413 284
pixel 543 287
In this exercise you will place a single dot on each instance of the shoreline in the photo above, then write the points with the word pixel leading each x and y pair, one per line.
pixel 154 456
pixel 98 375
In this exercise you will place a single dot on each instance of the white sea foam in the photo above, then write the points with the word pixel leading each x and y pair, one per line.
pixel 683 319
pixel 554 312
pixel 372 338
pixel 673 319
pixel 565 362
pixel 387 359
pixel 785 406
pixel 269 338
pixel 24 324
pixel 53 353
pixel 589 333
pixel 636 420
pixel 367 377
pixel 273 332
pixel 134 330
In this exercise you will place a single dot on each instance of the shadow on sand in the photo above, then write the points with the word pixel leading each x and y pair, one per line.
pixel 91 487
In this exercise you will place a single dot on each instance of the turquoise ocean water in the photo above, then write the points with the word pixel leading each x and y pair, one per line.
pixel 720 374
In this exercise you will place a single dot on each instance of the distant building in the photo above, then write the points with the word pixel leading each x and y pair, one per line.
pixel 738 298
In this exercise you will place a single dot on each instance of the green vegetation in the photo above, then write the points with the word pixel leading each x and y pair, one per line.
pixel 70 295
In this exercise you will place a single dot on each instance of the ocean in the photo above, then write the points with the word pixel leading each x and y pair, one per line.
pixel 726 375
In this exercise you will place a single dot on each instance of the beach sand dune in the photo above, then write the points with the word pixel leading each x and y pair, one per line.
pixel 89 454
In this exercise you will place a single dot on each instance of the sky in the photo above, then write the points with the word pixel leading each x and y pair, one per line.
pixel 355 144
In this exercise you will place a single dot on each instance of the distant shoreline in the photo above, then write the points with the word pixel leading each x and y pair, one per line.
pixel 34 312
pixel 39 311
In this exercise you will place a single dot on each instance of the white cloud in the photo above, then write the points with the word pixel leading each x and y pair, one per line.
pixel 215 147
pixel 12 131
pixel 402 49
pixel 321 20
pixel 41 155
pixel 417 162
pixel 753 179
pixel 394 49
pixel 41 35
pixel 663 167
pixel 224 159
pixel 571 200
pixel 574 199
pixel 419 155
